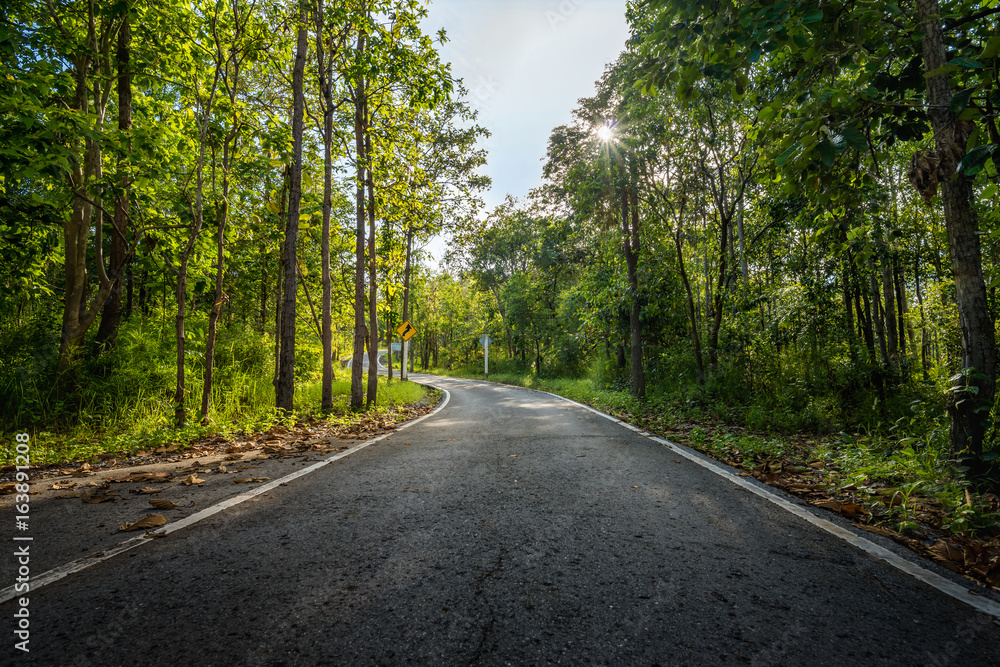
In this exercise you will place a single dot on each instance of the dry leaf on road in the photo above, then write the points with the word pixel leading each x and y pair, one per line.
pixel 161 504
pixel 148 521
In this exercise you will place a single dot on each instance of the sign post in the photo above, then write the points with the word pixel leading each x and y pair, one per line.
pixel 486 340
pixel 406 331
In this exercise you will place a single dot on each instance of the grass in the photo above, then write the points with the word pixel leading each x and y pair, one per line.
pixel 151 424
pixel 122 402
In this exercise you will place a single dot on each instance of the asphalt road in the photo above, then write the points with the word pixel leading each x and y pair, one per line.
pixel 512 528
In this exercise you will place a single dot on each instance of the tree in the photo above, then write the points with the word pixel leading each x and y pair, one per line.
pixel 872 45
pixel 285 389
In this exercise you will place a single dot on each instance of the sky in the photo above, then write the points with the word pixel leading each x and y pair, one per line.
pixel 525 63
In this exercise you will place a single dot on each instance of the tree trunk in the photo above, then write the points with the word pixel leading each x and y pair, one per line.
pixel 360 333
pixel 220 268
pixel 925 340
pixel 713 339
pixel 111 314
pixel 284 396
pixel 630 242
pixel 279 278
pixel 326 90
pixel 263 287
pixel 692 310
pixel 888 291
pixel 403 370
pixel 77 316
pixel 877 312
pixel 371 398
pixel 972 395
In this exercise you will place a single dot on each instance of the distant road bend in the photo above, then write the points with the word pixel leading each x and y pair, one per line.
pixel 511 528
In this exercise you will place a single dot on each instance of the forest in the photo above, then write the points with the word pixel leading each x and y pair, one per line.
pixel 770 232
pixel 206 204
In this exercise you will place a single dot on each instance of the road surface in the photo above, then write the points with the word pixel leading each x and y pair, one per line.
pixel 511 528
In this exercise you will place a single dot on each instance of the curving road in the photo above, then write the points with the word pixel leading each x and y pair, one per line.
pixel 512 528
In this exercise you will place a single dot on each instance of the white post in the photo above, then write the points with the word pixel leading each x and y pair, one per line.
pixel 402 373
pixel 487 346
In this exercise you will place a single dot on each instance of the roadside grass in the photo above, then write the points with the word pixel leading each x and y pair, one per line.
pixel 900 480
pixel 244 409
pixel 121 402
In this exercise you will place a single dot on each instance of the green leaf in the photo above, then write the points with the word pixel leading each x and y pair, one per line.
pixel 855 138
pixel 968 63
pixel 960 100
pixel 787 153
pixel 813 16
pixel 827 152
pixel 975 159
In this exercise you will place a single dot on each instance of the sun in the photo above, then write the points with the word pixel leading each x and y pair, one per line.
pixel 605 133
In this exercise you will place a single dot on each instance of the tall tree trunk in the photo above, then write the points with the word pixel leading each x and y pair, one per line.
pixel 903 310
pixel 630 242
pixel 864 315
pixel 720 291
pixel 877 312
pixel 279 278
pixel 111 314
pixel 372 395
pixel 403 370
pixel 360 333
pixel 220 268
pixel 743 253
pixel 925 340
pixel 77 316
pixel 972 396
pixel 888 291
pixel 692 310
pixel 848 306
pixel 284 396
pixel 263 288
pixel 326 90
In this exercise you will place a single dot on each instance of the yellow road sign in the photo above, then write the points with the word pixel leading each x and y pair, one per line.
pixel 406 330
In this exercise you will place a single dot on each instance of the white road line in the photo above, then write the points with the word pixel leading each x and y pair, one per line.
pixel 969 596
pixel 79 564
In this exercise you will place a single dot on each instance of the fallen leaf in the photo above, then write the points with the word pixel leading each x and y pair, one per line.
pixel 148 521
pixel 513 456
pixel 95 497
pixel 947 555
pixel 161 504
pixel 63 485
pixel 6 489
pixel 829 504
pixel 245 480
pixel 878 530
pixel 147 489
pixel 192 479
